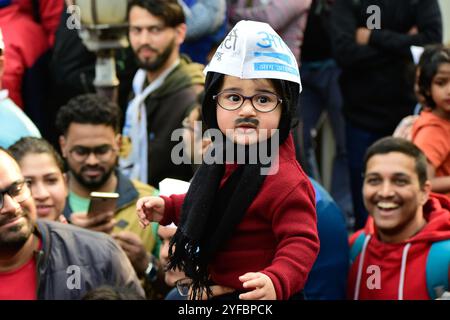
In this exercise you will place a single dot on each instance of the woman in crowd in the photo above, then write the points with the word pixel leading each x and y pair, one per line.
pixel 43 167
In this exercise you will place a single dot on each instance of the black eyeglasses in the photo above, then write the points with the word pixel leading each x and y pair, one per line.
pixel 262 102
pixel 19 191
pixel 103 153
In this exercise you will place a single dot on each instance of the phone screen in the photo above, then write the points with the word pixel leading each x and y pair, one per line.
pixel 102 202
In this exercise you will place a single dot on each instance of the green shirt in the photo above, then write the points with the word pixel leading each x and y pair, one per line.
pixel 77 203
pixel 80 204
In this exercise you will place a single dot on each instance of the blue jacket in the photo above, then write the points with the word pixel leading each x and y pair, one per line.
pixel 328 277
pixel 13 122
pixel 204 15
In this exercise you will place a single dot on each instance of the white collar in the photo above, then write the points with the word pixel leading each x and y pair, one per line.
pixel 4 94
pixel 141 76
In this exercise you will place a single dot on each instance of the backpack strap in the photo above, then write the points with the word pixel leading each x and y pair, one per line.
pixel 356 248
pixel 437 268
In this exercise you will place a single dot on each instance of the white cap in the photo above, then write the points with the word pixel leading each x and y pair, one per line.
pixel 2 44
pixel 253 50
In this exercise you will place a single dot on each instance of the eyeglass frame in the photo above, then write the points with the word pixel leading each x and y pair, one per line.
pixel 244 98
pixel 26 187
pixel 92 150
pixel 183 286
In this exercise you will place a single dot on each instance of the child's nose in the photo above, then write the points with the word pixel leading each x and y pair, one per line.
pixel 247 109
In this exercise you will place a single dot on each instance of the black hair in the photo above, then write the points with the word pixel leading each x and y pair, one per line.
pixel 111 293
pixel 430 61
pixel 89 109
pixel 393 144
pixel 33 145
pixel 169 11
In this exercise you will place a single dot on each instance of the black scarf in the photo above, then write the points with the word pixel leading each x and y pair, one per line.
pixel 210 213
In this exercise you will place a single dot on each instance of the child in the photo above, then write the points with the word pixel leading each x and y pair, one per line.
pixel 431 132
pixel 239 229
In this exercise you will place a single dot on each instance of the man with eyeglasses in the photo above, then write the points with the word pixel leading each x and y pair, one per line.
pixel 42 259
pixel 165 89
pixel 90 143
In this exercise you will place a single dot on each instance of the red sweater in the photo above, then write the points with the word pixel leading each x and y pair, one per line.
pixel 278 235
pixel 389 257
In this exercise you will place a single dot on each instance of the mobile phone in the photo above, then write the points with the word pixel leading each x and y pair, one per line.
pixel 102 202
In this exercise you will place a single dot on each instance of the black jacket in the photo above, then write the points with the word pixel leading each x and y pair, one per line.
pixel 378 79
pixel 68 251
pixel 316 44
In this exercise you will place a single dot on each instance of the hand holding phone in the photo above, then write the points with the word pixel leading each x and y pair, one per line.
pixel 102 202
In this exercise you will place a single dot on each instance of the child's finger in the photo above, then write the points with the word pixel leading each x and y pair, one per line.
pixel 140 203
pixel 141 224
pixel 248 276
pixel 148 205
pixel 254 283
pixel 256 294
pixel 141 215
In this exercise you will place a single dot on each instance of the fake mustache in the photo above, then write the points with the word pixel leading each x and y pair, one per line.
pixel 252 121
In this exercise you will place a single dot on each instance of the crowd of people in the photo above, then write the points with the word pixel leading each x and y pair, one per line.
pixel 253 220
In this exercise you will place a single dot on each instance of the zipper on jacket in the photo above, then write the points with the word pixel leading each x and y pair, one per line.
pixel 38 258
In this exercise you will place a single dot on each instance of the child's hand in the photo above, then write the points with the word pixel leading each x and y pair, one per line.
pixel 262 284
pixel 149 209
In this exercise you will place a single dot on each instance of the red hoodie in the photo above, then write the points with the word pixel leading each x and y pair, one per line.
pixel 405 260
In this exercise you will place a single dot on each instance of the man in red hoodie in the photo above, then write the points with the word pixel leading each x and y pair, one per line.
pixel 392 256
